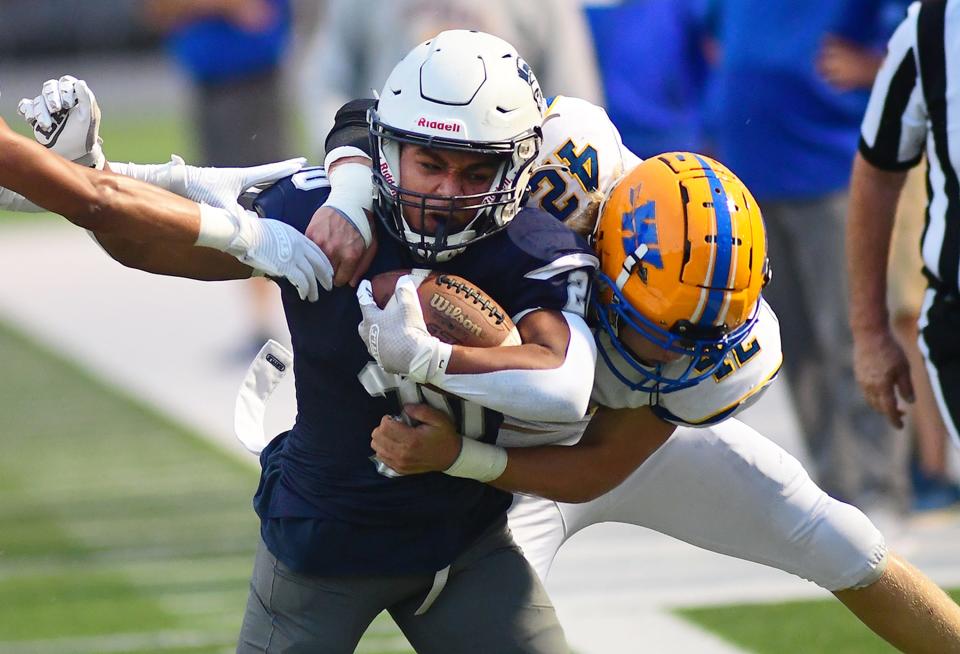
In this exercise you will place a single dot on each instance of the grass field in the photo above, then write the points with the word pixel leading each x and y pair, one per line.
pixel 119 530
pixel 819 626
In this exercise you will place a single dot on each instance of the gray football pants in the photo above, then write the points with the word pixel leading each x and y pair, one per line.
pixel 492 603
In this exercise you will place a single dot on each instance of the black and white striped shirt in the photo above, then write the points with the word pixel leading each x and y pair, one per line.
pixel 915 103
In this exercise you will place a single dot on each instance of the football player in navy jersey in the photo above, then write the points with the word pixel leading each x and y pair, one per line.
pixel 456 133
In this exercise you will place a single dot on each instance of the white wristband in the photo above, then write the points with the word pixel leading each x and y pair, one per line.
pixel 479 461
pixel 343 152
pixel 218 228
pixel 351 194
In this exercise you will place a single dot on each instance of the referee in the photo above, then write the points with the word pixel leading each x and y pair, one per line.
pixel 915 103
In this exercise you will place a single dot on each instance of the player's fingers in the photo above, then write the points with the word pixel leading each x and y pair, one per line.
pixel 347 267
pixel 25 109
pixel 42 116
pixel 50 92
pixel 320 265
pixel 426 414
pixel 313 292
pixel 364 263
pixel 68 91
pixel 299 281
pixel 365 296
pixel 271 172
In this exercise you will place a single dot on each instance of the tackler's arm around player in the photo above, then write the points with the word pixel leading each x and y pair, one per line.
pixel 616 442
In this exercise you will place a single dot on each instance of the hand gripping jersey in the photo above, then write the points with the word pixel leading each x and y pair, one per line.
pixel 324 507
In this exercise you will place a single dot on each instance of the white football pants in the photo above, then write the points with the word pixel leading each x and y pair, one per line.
pixel 727 489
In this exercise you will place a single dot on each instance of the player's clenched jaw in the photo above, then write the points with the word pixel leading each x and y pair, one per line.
pixel 447 174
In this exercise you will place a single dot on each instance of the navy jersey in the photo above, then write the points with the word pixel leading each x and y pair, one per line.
pixel 325 509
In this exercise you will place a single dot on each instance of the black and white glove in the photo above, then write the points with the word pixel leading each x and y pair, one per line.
pixel 65 117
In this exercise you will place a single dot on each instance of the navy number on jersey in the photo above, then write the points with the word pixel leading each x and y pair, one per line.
pixel 737 358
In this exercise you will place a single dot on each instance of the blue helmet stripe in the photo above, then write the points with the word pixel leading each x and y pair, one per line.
pixel 724 247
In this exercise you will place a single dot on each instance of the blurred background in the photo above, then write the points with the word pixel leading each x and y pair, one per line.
pixel 125 518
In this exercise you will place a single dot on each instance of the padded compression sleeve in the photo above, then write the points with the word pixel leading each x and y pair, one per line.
pixel 350 126
pixel 556 395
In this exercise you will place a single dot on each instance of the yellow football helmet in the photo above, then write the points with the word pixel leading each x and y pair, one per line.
pixel 683 258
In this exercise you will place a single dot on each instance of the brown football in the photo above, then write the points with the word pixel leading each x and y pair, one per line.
pixel 454 309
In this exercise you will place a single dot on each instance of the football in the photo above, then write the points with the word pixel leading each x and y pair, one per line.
pixel 454 309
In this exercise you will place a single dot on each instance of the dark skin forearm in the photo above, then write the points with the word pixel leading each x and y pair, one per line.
pixel 616 442
pixel 545 337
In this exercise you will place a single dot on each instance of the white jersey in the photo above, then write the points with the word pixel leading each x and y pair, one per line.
pixel 750 499
pixel 586 155
pixel 740 380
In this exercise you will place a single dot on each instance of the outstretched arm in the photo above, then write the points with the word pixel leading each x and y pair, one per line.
pixel 101 202
pixel 616 442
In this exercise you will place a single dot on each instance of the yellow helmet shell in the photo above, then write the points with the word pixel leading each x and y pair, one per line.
pixel 683 241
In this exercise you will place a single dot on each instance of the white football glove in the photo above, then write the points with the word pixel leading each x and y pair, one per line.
pixel 218 187
pixel 65 117
pixel 397 337
pixel 268 246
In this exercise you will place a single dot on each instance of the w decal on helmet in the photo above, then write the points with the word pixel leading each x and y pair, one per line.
pixel 639 230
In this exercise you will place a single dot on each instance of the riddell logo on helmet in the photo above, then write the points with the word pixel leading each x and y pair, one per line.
pixel 439 125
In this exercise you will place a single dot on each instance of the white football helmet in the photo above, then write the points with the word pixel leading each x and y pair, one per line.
pixel 462 90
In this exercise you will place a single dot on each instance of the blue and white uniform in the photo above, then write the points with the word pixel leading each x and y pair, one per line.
pixel 716 483
pixel 324 508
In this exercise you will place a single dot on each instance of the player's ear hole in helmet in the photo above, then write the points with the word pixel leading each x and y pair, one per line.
pixel 462 91
pixel 683 259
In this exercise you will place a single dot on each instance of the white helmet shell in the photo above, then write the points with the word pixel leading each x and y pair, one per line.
pixel 463 90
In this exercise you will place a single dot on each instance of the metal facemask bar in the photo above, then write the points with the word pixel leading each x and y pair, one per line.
pixel 705 351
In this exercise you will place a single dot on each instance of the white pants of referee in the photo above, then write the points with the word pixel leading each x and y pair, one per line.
pixel 728 489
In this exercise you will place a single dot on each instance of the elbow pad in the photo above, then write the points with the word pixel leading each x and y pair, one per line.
pixel 350 126
pixel 559 394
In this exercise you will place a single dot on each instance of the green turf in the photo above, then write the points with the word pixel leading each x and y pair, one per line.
pixel 120 531
pixel 802 627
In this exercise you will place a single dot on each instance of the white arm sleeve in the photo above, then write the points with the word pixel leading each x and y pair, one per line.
pixel 15 202
pixel 556 395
